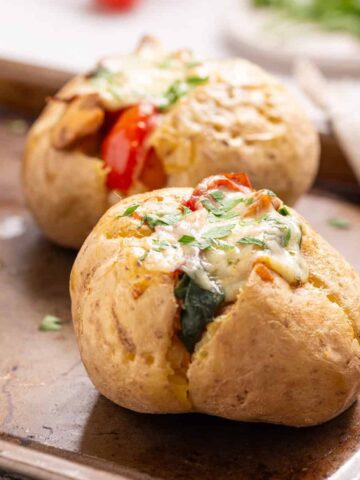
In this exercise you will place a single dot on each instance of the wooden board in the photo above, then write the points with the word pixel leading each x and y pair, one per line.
pixel 49 407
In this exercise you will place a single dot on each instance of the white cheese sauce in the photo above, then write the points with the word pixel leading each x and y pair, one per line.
pixel 126 80
pixel 213 249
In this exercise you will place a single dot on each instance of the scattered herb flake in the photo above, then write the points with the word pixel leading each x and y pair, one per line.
pixel 219 232
pixel 221 244
pixel 217 195
pixel 18 126
pixel 50 323
pixel 130 210
pixel 339 222
pixel 186 239
pixel 284 211
pixel 144 255
pixel 252 241
pixel 197 80
pixel 286 236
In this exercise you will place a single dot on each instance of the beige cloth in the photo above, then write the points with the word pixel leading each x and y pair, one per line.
pixel 340 99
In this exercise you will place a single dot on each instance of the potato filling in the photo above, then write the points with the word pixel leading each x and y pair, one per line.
pixel 214 239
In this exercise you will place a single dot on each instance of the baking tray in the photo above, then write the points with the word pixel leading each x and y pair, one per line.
pixel 53 423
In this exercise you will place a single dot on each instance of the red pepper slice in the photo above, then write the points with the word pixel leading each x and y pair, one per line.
pixel 124 149
pixel 117 4
pixel 236 182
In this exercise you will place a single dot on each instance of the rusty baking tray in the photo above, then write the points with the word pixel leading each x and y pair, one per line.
pixel 53 423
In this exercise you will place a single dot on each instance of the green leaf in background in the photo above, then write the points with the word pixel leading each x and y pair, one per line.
pixel 339 15
pixel 50 323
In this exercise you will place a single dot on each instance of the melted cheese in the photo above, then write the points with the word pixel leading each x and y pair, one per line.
pixel 125 80
pixel 266 237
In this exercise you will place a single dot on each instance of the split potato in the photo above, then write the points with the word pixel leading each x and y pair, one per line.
pixel 158 119
pixel 220 300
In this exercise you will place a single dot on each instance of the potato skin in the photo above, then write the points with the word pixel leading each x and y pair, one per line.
pixel 65 189
pixel 126 341
pixel 279 353
pixel 242 120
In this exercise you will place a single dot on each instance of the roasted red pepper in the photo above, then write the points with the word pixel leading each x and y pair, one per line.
pixel 117 4
pixel 124 148
pixel 236 182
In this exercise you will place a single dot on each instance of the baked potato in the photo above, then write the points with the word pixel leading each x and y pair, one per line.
pixel 155 119
pixel 221 300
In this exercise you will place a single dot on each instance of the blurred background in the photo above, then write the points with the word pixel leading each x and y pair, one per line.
pixel 314 45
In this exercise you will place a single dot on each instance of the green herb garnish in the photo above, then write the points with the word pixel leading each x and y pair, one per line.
pixel 144 255
pixel 217 195
pixel 339 222
pixel 166 219
pixel 222 245
pixel 252 241
pixel 129 210
pixel 104 78
pixel 198 308
pixel 50 323
pixel 219 232
pixel 284 211
pixel 186 239
pixel 178 89
pixel 286 236
pixel 197 80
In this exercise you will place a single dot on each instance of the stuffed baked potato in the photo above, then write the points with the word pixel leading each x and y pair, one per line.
pixel 219 300
pixel 156 119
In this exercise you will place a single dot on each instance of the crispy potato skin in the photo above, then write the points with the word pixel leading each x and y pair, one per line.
pixel 65 189
pixel 279 354
pixel 126 341
pixel 242 120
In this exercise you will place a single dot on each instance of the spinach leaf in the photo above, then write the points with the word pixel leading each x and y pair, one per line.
pixel 198 308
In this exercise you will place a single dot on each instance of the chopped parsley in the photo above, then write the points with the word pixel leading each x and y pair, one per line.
pixel 130 210
pixel 144 255
pixel 339 222
pixel 219 232
pixel 50 323
pixel 178 89
pixel 252 241
pixel 284 211
pixel 217 195
pixel 286 236
pixel 186 239
pixel 197 80
pixel 165 219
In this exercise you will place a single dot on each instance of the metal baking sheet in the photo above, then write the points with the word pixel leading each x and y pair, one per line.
pixel 50 413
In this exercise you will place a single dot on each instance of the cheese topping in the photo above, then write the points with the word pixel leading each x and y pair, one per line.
pixel 162 79
pixel 219 242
